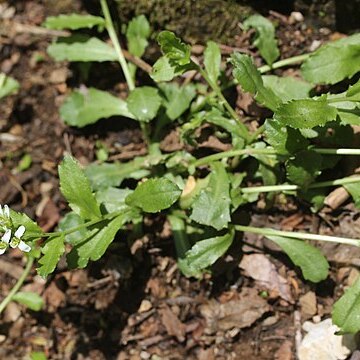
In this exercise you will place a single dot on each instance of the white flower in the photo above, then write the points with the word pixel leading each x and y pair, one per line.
pixel 4 241
pixel 5 221
pixel 17 242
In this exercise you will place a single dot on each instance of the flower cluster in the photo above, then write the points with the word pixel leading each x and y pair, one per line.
pixel 7 238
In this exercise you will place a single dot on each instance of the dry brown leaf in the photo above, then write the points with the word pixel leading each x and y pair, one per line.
pixel 261 269
pixel 239 313
pixel 173 325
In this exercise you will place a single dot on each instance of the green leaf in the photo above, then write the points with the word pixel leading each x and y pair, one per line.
pixel 212 207
pixel 163 71
pixel 105 175
pixel 333 62
pixel 84 109
pixel 250 80
pixel 30 299
pixel 265 37
pixel 177 98
pixel 284 139
pixel 212 60
pixel 154 195
pixel 205 252
pixel 304 167
pixel 346 311
pixel 92 49
pixel 71 220
pixel 8 85
pixel 73 22
pixel 305 113
pixel 287 88
pixel 113 199
pixel 312 262
pixel 354 190
pixel 176 51
pixel 137 34
pixel 75 187
pixel 33 231
pixel 94 247
pixel 52 250
pixel 144 102
pixel 354 92
pixel 38 355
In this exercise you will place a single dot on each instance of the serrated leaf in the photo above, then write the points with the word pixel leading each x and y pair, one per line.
pixel 304 167
pixel 177 98
pixel 206 252
pixel 73 22
pixel 176 51
pixel 284 139
pixel 137 34
pixel 8 85
pixel 305 113
pixel 212 207
pixel 94 247
pixel 312 262
pixel 105 175
pixel 30 299
pixel 33 230
pixel 113 199
pixel 92 49
pixel 212 60
pixel 154 195
pixel 333 62
pixel 346 311
pixel 84 109
pixel 265 37
pixel 52 250
pixel 287 88
pixel 250 80
pixel 144 103
pixel 75 187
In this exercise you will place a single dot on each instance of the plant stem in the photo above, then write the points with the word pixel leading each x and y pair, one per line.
pixel 82 226
pixel 243 129
pixel 287 187
pixel 115 41
pixel 297 235
pixel 284 62
pixel 18 284
pixel 268 151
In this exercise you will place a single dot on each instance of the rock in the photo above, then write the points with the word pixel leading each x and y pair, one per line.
pixel 321 343
pixel 308 304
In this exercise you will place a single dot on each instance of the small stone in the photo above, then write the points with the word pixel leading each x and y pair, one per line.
pixel 296 16
pixel 315 45
pixel 308 304
pixel 2 338
pixel 145 306
pixel 58 76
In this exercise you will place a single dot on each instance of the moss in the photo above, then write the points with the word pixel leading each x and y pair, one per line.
pixel 196 21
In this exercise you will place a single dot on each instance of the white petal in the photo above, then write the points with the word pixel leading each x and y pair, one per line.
pixel 6 211
pixel 6 237
pixel 2 251
pixel 24 247
pixel 20 231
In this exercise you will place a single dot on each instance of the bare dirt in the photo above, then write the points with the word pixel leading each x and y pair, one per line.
pixel 134 303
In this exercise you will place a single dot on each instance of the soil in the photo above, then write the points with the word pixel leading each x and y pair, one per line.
pixel 134 303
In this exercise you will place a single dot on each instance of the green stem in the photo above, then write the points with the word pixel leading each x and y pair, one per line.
pixel 297 235
pixel 284 62
pixel 341 99
pixel 243 129
pixel 18 284
pixel 83 226
pixel 268 151
pixel 115 41
pixel 286 187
